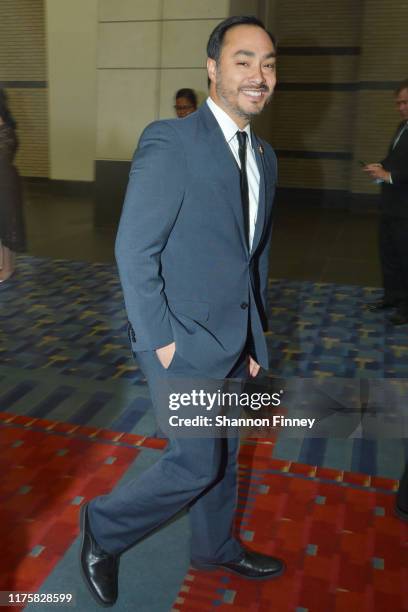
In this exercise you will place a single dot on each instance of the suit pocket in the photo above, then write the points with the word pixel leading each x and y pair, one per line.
pixel 198 311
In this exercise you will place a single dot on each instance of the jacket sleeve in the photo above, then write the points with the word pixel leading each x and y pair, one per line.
pixel 398 169
pixel 399 173
pixel 396 161
pixel 153 199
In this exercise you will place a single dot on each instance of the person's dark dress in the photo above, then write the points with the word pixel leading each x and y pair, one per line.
pixel 12 231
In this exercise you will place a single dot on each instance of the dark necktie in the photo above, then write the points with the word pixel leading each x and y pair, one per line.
pixel 242 141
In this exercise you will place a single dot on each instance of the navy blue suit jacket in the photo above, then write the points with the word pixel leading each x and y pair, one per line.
pixel 394 197
pixel 185 269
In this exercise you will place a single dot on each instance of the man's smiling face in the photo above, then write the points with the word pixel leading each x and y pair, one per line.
pixel 243 79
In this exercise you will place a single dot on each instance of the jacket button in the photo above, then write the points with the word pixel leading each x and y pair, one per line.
pixel 244 305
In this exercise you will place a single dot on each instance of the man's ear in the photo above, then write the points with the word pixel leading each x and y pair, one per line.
pixel 212 69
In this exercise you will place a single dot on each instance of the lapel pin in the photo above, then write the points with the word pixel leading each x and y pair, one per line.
pixel 260 148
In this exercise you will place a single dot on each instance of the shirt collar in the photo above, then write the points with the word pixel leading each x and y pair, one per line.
pixel 228 126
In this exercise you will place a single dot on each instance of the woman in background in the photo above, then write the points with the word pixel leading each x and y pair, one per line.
pixel 186 102
pixel 12 232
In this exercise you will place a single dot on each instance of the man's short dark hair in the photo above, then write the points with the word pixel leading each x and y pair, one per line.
pixel 216 39
pixel 189 94
pixel 403 85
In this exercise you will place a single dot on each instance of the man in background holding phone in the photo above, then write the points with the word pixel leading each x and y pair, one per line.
pixel 392 173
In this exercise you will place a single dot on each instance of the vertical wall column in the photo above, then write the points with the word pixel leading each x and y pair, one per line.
pixel 147 50
pixel 71 58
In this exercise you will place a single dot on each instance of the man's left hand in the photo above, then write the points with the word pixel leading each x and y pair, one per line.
pixel 376 171
pixel 253 367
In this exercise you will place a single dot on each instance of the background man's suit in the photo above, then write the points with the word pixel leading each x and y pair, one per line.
pixel 188 277
pixel 394 223
pixel 394 246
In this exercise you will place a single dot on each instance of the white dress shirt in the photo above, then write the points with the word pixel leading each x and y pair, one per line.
pixel 229 129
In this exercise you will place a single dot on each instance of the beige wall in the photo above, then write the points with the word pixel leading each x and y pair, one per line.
pixel 146 51
pixel 71 58
pixel 114 65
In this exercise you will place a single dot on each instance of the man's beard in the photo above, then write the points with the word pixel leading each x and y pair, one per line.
pixel 235 108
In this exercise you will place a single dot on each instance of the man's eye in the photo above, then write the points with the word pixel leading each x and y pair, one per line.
pixel 270 66
pixel 242 63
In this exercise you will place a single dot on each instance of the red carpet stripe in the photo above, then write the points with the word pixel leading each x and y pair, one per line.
pixel 336 530
pixel 343 546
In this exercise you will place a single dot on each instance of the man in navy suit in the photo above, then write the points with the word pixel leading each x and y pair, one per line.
pixel 392 172
pixel 192 250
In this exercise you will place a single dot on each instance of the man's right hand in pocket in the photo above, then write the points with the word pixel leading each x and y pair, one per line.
pixel 165 354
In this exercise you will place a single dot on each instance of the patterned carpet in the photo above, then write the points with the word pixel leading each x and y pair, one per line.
pixel 68 317
pixel 323 329
pixel 64 353
pixel 343 547
pixel 48 470
pixel 76 416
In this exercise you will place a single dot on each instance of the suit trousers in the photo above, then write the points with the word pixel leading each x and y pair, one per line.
pixel 199 473
pixel 393 240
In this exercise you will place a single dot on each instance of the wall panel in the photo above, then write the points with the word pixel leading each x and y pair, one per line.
pixel 312 173
pixel 313 121
pixel 129 45
pixel 184 43
pixel 318 22
pixel 313 112
pixel 130 10
pixel 195 9
pixel 24 76
pixel 127 103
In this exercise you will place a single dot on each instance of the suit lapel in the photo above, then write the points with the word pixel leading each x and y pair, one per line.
pixel 398 131
pixel 260 218
pixel 222 164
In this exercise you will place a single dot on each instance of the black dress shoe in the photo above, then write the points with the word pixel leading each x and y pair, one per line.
pixel 99 568
pixel 250 564
pixel 399 318
pixel 401 514
pixel 380 305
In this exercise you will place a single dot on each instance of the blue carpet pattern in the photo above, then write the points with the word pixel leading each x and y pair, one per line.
pixel 64 353
pixel 323 329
